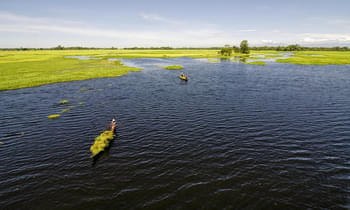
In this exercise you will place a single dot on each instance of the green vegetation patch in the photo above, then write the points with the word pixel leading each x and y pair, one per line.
pixel 256 63
pixel 174 53
pixel 54 116
pixel 101 142
pixel 67 109
pixel 64 102
pixel 318 58
pixel 173 67
pixel 21 69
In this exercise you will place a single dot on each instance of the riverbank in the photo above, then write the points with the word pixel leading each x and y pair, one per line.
pixel 21 69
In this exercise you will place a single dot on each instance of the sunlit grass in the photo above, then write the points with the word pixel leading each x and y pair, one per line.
pixel 20 69
pixel 318 58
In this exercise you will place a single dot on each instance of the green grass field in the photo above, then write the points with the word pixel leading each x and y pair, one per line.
pixel 318 58
pixel 20 69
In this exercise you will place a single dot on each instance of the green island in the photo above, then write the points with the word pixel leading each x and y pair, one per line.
pixel 173 67
pixel 30 68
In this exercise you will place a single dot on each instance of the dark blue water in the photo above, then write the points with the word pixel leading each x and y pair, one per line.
pixel 233 136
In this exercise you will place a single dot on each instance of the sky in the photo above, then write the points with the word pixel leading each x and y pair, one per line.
pixel 175 23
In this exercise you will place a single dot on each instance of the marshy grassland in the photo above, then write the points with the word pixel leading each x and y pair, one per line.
pixel 20 69
pixel 318 58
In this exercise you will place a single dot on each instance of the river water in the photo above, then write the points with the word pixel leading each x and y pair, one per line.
pixel 233 136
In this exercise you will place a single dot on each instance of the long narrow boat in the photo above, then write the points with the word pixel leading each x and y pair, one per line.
pixel 185 78
pixel 102 141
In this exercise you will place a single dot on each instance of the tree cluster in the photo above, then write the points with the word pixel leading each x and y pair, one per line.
pixel 227 50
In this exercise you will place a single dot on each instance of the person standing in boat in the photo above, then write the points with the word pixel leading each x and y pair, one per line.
pixel 113 124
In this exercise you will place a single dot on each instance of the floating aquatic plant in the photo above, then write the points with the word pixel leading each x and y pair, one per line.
pixel 67 109
pixel 81 103
pixel 1 142
pixel 101 142
pixel 83 89
pixel 54 116
pixel 64 102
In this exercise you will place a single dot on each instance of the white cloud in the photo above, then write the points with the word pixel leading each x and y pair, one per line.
pixel 6 16
pixel 178 34
pixel 321 38
pixel 247 30
pixel 158 18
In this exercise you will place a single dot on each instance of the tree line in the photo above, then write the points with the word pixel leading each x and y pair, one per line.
pixel 296 47
pixel 226 50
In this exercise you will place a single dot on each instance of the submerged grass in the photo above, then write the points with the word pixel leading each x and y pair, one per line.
pixel 54 116
pixel 173 67
pixel 83 89
pixel 101 142
pixel 67 109
pixel 213 60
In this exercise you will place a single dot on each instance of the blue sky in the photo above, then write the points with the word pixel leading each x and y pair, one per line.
pixel 176 23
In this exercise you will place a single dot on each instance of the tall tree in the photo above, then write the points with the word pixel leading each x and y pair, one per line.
pixel 244 47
